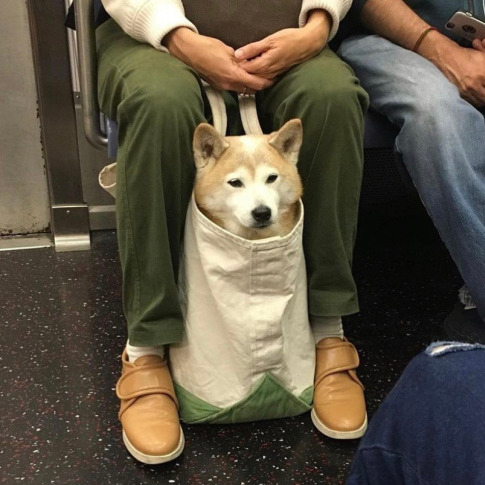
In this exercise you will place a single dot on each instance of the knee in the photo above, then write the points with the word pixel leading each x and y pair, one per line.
pixel 338 100
pixel 156 102
pixel 427 105
pixel 435 110
pixel 349 97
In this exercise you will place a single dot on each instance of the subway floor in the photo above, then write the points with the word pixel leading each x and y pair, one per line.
pixel 62 332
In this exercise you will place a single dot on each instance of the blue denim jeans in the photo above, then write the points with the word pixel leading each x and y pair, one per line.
pixel 442 143
pixel 430 430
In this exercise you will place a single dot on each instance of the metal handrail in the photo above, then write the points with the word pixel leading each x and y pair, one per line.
pixel 86 42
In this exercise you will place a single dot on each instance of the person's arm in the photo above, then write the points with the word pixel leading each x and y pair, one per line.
pixel 148 21
pixel 214 61
pixel 286 48
pixel 464 67
pixel 162 23
pixel 335 9
pixel 318 23
pixel 394 20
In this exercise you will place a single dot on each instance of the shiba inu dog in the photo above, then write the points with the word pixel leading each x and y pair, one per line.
pixel 248 350
pixel 249 185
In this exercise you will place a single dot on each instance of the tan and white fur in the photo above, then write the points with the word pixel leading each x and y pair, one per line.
pixel 249 185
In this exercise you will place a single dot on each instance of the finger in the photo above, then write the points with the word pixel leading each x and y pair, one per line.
pixel 479 96
pixel 254 82
pixel 252 50
pixel 478 103
pixel 259 65
pixel 476 94
pixel 478 45
pixel 473 99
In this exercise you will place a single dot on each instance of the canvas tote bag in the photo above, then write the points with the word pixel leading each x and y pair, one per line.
pixel 248 352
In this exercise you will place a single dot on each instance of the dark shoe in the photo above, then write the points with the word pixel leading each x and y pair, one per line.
pixel 464 325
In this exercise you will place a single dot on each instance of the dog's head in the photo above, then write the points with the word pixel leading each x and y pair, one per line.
pixel 248 184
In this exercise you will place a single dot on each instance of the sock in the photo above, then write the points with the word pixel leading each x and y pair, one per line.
pixel 136 352
pixel 325 327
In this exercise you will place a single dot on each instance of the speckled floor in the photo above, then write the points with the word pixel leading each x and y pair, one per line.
pixel 62 331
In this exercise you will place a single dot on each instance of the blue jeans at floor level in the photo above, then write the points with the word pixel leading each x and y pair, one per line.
pixel 430 430
pixel 442 143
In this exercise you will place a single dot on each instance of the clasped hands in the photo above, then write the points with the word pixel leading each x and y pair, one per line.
pixel 255 66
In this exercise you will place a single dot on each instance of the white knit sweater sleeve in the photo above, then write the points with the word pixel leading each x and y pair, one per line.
pixel 336 8
pixel 148 20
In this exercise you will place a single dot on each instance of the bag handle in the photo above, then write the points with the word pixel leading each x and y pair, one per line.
pixel 218 108
pixel 247 109
pixel 249 117
pixel 249 114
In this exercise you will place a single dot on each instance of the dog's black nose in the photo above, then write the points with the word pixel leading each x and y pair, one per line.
pixel 262 213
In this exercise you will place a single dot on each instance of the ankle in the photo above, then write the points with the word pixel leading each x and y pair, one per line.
pixel 134 352
pixel 326 327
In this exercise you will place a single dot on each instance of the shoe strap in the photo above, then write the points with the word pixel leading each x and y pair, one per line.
pixel 332 359
pixel 144 380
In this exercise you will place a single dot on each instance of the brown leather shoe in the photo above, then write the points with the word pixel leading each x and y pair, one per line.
pixel 338 401
pixel 149 410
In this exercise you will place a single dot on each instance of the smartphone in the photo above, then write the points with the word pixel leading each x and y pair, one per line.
pixel 466 25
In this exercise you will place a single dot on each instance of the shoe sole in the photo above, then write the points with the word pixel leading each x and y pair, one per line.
pixel 154 459
pixel 338 435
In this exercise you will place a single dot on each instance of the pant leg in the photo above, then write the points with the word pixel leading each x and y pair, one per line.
pixel 430 429
pixel 442 142
pixel 326 96
pixel 157 102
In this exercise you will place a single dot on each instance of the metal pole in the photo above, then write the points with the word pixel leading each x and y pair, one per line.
pixel 86 42
pixel 70 216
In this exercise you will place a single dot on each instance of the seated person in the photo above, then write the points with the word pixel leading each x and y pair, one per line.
pixel 151 60
pixel 433 89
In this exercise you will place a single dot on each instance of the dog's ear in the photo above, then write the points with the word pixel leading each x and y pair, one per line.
pixel 288 140
pixel 208 145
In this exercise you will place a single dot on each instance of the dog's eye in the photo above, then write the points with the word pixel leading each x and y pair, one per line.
pixel 272 178
pixel 235 183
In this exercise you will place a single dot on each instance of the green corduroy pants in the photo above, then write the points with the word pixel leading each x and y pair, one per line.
pixel 157 102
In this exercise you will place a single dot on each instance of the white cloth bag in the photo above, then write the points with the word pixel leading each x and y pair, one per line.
pixel 248 351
